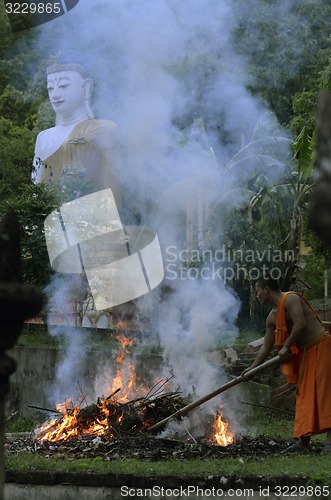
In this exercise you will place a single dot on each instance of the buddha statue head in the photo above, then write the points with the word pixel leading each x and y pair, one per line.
pixel 69 86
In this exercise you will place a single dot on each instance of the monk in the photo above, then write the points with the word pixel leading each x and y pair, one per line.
pixel 304 347
pixel 79 151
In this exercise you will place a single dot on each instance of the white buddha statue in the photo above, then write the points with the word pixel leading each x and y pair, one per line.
pixel 85 235
pixel 79 151
pixel 79 147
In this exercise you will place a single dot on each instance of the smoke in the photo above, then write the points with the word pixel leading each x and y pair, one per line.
pixel 70 369
pixel 192 322
pixel 167 73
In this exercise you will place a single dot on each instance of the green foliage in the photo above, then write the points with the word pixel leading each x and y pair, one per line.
pixel 304 109
pixel 32 203
pixel 38 337
pixel 313 276
pixel 20 424
pixel 269 223
pixel 11 100
pixel 276 203
pixel 315 264
pixel 288 48
pixel 16 151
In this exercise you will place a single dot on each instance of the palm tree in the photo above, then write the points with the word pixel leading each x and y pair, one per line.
pixel 272 183
pixel 283 204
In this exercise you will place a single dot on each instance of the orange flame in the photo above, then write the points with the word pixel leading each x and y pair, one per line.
pixel 125 377
pixel 70 425
pixel 221 436
pixel 64 429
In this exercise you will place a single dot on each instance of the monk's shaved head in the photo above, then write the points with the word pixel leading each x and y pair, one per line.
pixel 272 283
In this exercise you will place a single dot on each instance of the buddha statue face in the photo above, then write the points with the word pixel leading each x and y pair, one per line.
pixel 68 92
pixel 69 88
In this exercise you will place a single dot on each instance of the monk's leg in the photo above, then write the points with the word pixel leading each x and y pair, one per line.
pixel 304 441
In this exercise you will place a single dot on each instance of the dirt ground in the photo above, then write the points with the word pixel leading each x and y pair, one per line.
pixel 145 446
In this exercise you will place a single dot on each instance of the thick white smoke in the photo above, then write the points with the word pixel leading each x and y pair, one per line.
pixel 159 65
pixel 70 369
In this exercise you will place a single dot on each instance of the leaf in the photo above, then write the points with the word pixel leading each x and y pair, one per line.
pixel 303 154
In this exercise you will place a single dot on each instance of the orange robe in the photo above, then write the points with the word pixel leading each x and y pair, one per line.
pixel 310 369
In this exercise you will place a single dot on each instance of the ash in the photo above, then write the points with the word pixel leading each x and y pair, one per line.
pixel 147 447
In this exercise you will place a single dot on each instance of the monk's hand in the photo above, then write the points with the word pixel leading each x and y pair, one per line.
pixel 284 354
pixel 245 373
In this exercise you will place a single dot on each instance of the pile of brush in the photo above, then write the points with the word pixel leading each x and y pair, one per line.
pixel 108 417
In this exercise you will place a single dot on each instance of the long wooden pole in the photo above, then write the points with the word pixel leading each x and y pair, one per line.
pixel 241 378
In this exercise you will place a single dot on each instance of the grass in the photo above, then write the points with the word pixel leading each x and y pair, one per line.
pixel 37 336
pixel 23 424
pixel 276 424
pixel 315 468
pixel 262 422
pixel 246 336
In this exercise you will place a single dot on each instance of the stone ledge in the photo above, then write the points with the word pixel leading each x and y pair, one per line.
pixel 113 480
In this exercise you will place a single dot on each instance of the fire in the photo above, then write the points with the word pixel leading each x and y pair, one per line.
pixel 66 428
pixel 133 408
pixel 125 378
pixel 221 436
pixel 74 421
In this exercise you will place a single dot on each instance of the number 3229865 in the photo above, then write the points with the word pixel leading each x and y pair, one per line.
pixel 33 8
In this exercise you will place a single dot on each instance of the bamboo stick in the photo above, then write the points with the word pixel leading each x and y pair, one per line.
pixel 225 387
pixel 273 408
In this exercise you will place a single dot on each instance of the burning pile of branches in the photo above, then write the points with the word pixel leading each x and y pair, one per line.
pixel 116 416
pixel 109 417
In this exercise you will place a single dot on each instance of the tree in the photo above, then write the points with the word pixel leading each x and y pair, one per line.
pixel 287 45
pixel 32 203
pixel 265 232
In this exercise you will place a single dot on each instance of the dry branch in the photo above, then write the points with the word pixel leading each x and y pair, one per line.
pixel 115 417
pixel 43 409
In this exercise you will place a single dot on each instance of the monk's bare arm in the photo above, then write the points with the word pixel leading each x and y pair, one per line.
pixel 268 344
pixel 294 312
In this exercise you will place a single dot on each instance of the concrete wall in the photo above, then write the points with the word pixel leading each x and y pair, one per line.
pixel 36 371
